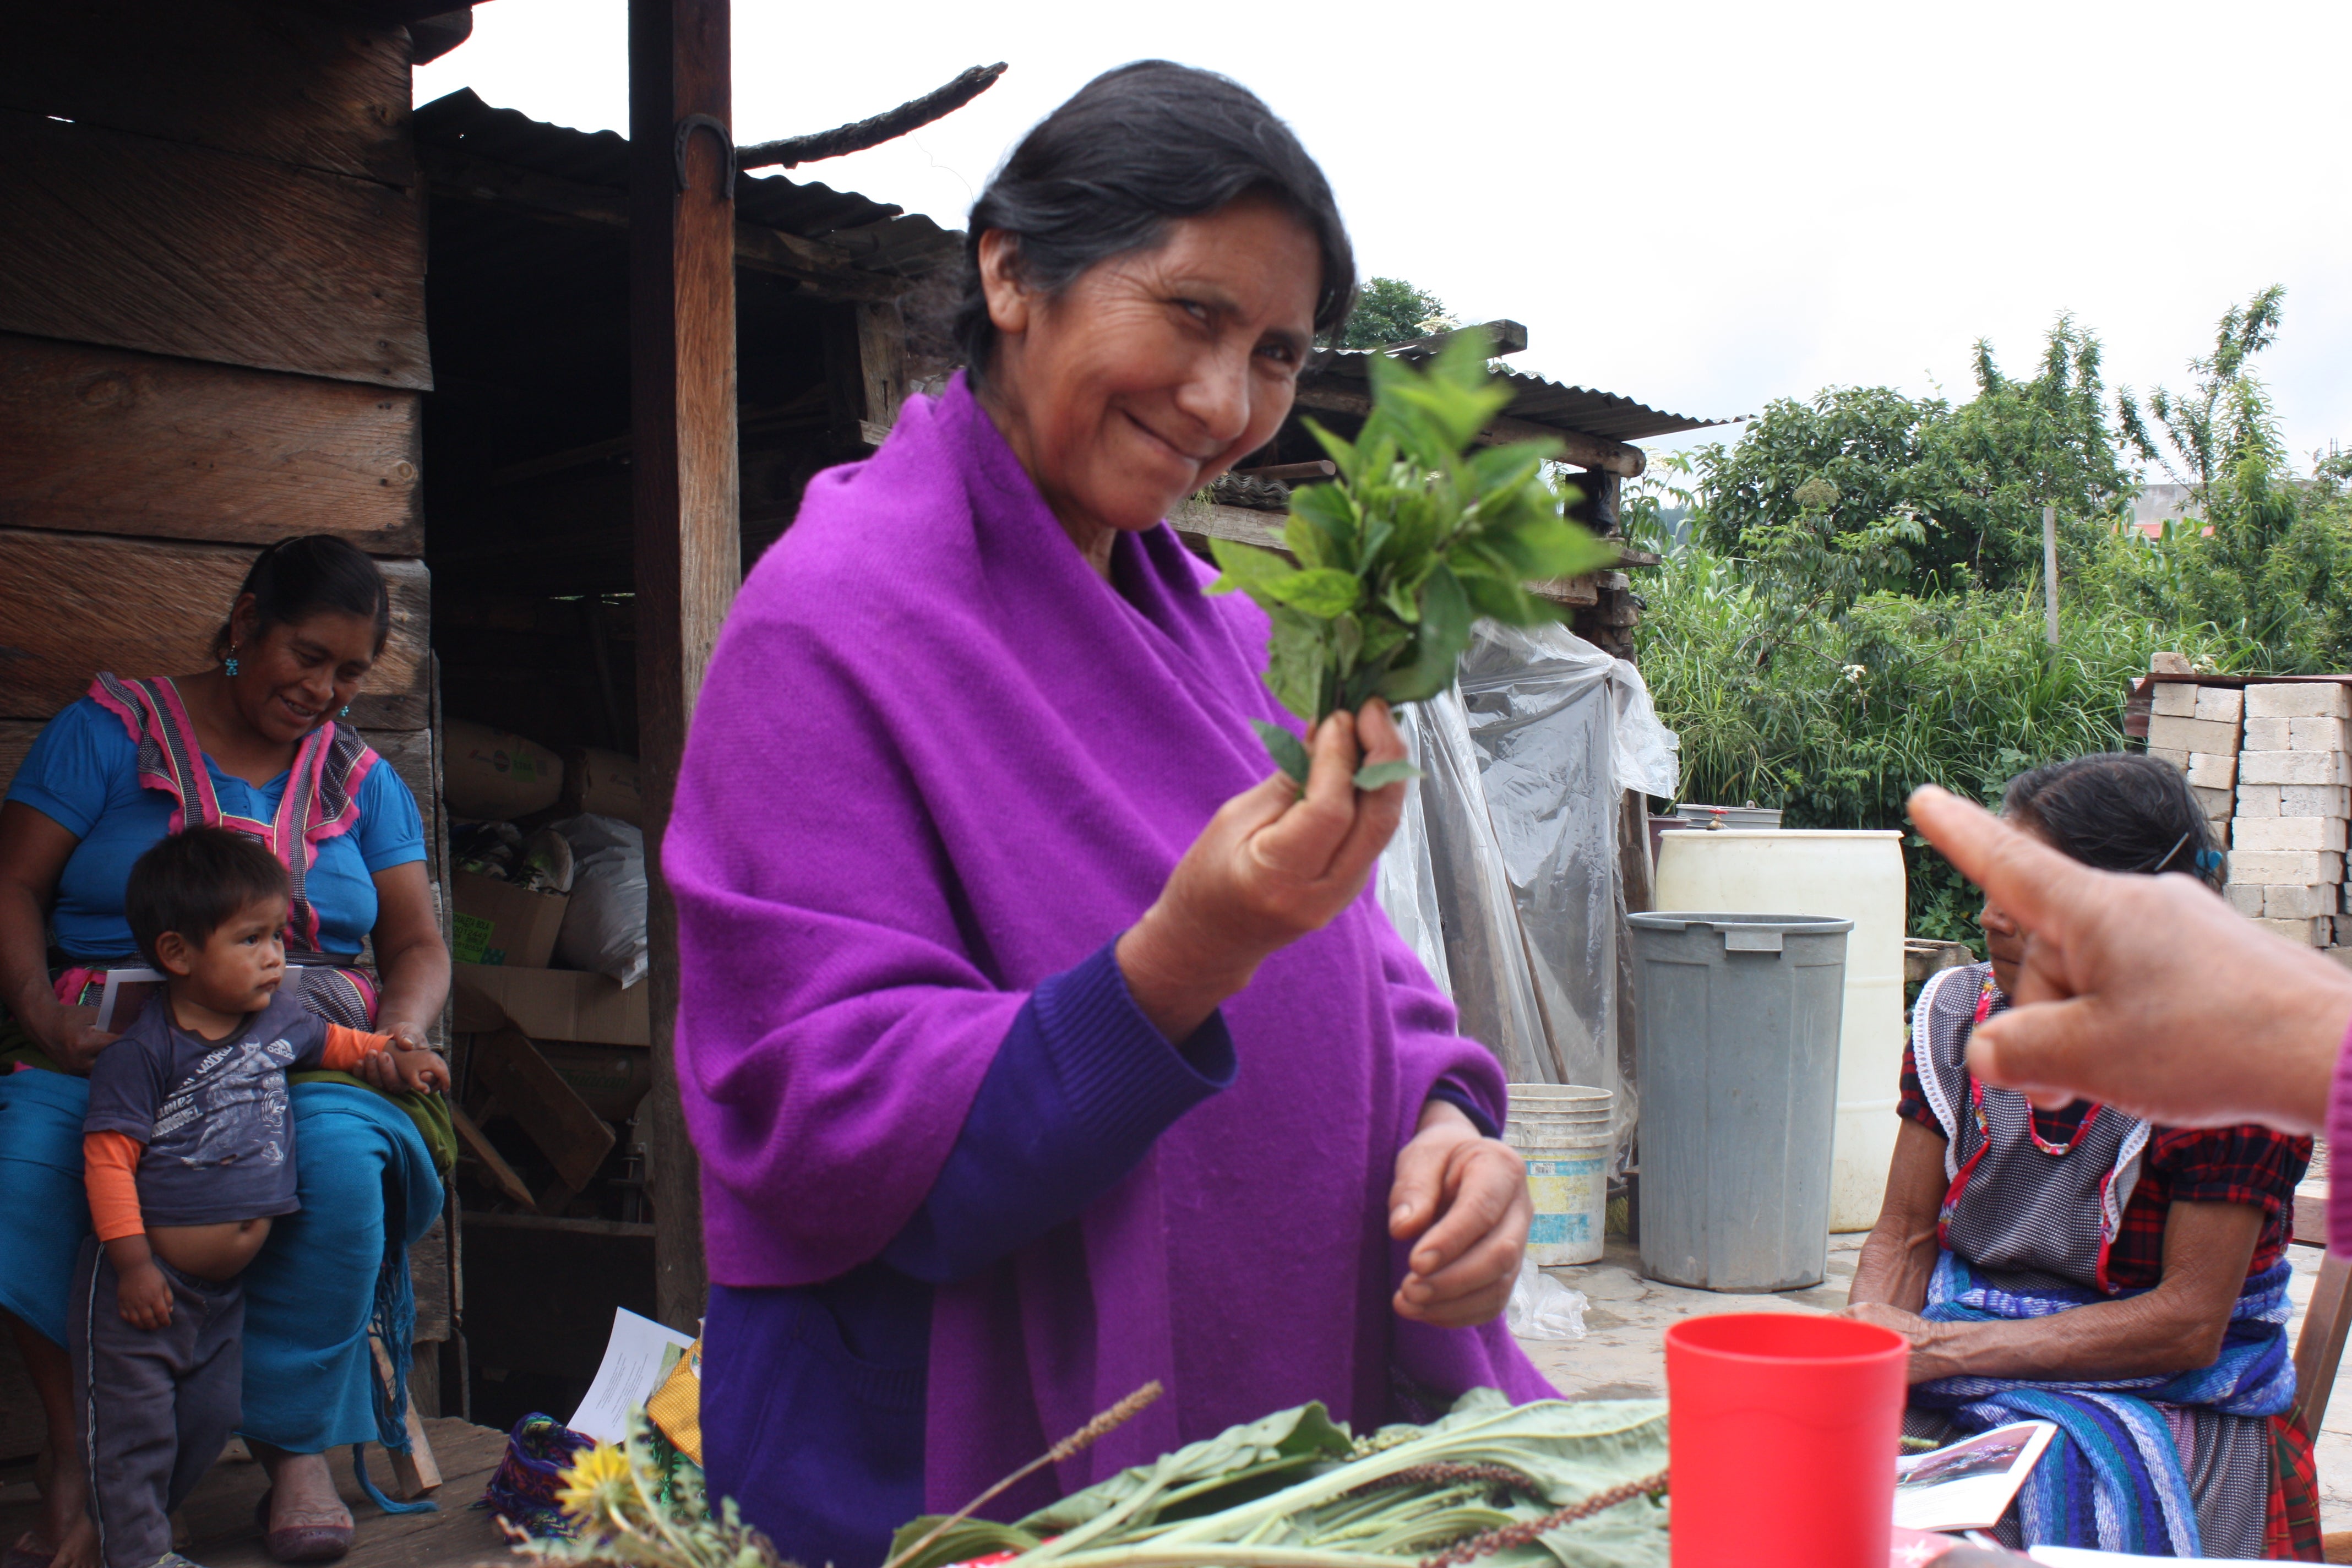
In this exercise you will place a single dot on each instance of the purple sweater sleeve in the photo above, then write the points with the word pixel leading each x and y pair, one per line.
pixel 1079 1089
pixel 2339 1129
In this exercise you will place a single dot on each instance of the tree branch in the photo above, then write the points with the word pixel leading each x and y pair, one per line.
pixel 858 135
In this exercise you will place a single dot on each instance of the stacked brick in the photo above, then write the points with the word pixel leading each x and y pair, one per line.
pixel 2197 729
pixel 2294 798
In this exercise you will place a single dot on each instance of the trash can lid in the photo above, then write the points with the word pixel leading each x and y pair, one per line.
pixel 1683 920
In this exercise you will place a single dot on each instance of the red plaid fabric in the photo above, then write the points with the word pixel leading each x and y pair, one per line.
pixel 2291 1528
pixel 2248 1164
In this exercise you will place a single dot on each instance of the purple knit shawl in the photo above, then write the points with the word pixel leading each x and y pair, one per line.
pixel 937 759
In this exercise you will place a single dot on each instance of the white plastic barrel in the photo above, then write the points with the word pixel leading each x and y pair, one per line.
pixel 1564 1132
pixel 1857 875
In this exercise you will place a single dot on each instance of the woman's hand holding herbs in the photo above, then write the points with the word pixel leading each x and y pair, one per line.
pixel 1465 1196
pixel 1274 863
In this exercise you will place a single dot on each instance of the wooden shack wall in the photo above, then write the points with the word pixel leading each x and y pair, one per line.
pixel 212 337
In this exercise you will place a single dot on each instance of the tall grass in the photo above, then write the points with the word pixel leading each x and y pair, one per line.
pixel 1836 719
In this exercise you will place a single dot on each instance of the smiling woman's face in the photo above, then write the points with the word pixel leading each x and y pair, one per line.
pixel 1154 371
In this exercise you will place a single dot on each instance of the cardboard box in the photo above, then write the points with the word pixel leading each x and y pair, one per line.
pixel 499 923
pixel 613 1079
pixel 552 1005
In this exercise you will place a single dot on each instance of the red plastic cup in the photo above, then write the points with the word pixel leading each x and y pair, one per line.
pixel 1783 1431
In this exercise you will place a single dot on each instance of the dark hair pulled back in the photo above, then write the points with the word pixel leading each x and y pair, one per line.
pixel 312 573
pixel 1104 173
pixel 2117 811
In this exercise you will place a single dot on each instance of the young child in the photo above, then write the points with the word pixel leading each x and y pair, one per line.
pixel 189 1151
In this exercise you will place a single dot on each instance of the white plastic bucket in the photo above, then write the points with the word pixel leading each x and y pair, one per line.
pixel 1563 1133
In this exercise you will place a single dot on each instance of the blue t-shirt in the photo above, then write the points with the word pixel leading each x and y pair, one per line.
pixel 213 1113
pixel 83 775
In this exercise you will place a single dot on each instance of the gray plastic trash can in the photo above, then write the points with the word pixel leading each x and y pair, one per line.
pixel 1739 1042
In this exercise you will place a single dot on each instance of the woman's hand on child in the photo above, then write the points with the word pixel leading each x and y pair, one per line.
pixel 417 1069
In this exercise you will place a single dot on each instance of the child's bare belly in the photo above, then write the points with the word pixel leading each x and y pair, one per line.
pixel 215 1252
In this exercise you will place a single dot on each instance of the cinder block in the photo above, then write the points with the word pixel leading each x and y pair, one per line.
pixel 2193 735
pixel 2247 898
pixel 2299 867
pixel 2316 734
pixel 2223 704
pixel 2303 699
pixel 2294 768
pixel 2213 770
pixel 2318 931
pixel 2314 800
pixel 2268 735
pixel 2259 800
pixel 2173 700
pixel 2167 754
pixel 2300 903
pixel 2256 833
pixel 2214 803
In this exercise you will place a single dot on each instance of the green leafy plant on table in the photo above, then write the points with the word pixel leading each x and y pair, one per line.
pixel 1423 532
pixel 1551 1484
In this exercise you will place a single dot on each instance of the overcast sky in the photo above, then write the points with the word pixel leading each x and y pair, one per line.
pixel 1703 206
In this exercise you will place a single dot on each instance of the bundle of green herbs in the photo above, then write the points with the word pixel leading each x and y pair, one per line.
pixel 1424 531
pixel 1545 1485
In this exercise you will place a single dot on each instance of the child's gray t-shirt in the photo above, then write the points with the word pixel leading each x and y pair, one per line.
pixel 213 1114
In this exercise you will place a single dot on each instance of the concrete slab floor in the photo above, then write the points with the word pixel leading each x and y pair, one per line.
pixel 1622 1354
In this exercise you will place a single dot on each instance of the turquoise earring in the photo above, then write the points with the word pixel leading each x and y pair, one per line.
pixel 232 661
pixel 347 710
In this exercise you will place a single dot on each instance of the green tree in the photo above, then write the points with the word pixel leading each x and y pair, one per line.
pixel 1389 310
pixel 2227 417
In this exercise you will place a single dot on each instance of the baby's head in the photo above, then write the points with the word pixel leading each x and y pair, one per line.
pixel 208 909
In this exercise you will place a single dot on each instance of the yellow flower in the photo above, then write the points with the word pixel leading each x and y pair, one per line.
pixel 593 1482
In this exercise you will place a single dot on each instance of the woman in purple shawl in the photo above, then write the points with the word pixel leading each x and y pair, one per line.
pixel 1037 1043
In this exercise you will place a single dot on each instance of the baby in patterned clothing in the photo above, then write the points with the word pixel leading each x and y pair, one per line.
pixel 189 1153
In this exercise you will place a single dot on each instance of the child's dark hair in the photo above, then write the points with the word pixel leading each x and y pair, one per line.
pixel 2118 812
pixel 195 882
pixel 310 574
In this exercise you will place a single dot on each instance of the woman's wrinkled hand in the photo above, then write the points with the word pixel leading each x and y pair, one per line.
pixel 71 1037
pixel 2147 994
pixel 1929 1357
pixel 1462 1199
pixel 1274 863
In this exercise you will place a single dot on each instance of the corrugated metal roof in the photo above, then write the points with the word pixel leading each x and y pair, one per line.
pixel 1542 402
pixel 881 237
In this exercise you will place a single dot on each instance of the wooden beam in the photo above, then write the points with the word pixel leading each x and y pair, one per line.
pixel 574 1139
pixel 1585 451
pixel 688 546
pixel 486 1155
pixel 825 271
pixel 141 243
pixel 74 603
pixel 109 441
pixel 310 91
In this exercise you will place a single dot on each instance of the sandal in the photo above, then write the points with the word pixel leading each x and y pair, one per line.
pixel 300 1543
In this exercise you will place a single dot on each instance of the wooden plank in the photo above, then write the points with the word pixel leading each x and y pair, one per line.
pixel 1585 451
pixel 573 1136
pixel 2310 1210
pixel 109 441
pixel 428 1276
pixel 414 1473
pixel 688 544
pixel 17 738
pixel 296 87
pixel 470 1138
pixel 2319 1348
pixel 74 603
pixel 139 244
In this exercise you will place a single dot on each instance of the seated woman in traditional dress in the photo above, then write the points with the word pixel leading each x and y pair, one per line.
pixel 259 743
pixel 2125 1281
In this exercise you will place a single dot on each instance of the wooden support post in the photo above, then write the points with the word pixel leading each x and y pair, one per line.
pixel 2050 567
pixel 688 549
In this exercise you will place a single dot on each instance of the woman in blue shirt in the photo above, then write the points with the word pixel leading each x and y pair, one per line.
pixel 256 744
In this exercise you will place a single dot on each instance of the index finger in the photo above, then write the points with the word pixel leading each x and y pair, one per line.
pixel 2033 881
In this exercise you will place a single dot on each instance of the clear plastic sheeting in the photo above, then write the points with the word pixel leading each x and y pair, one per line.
pixel 1485 958
pixel 1404 884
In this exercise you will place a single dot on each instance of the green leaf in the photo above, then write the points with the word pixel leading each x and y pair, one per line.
pixel 1374 775
pixel 1322 527
pixel 1547 547
pixel 1444 632
pixel 1323 593
pixel 1496 469
pixel 1245 566
pixel 1294 672
pixel 1289 753
pixel 1342 452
